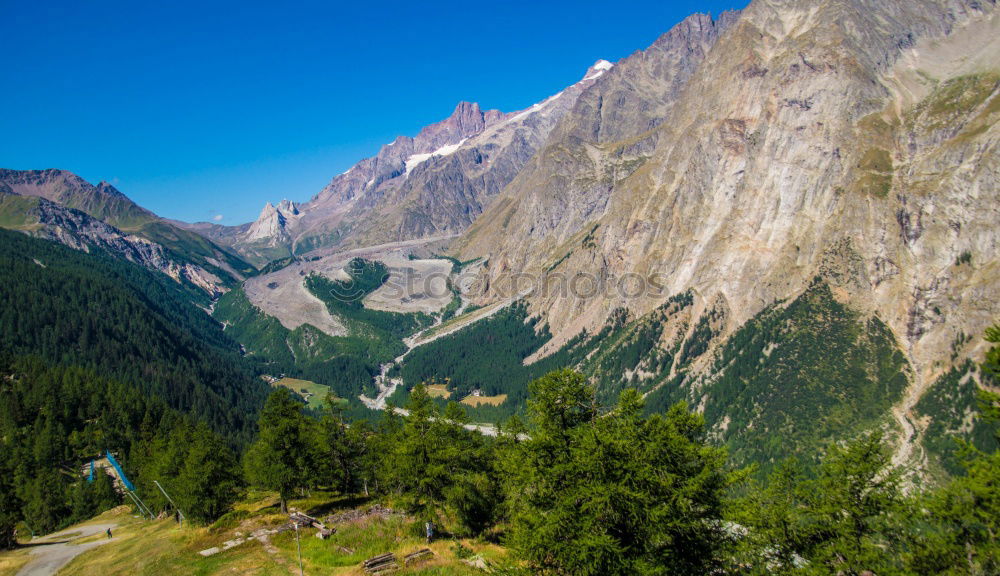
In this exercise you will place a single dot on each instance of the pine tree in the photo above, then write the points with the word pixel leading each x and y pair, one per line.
pixel 208 482
pixel 612 494
pixel 283 457
pixel 10 504
pixel 342 448
pixel 774 527
pixel 46 503
pixel 420 470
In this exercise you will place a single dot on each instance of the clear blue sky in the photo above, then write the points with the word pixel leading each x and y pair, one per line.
pixel 199 109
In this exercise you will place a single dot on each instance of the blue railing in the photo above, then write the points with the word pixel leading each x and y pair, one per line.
pixel 121 473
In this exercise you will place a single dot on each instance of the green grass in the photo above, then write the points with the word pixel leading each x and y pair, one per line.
pixel 954 98
pixel 161 547
pixel 14 211
pixel 316 393
pixel 11 561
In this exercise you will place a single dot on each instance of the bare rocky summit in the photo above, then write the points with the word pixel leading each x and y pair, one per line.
pixel 433 184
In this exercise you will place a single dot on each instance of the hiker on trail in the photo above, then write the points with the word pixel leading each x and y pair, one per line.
pixel 429 529
pixel 109 533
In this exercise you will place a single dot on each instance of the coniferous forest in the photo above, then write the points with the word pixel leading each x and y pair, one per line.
pixel 99 355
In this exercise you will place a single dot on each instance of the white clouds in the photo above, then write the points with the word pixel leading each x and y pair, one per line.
pixel 217 218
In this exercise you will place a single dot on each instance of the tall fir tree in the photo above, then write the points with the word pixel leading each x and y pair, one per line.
pixel 284 456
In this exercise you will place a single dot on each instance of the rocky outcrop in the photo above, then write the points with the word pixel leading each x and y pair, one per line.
pixel 434 184
pixel 61 206
pixel 736 155
pixel 271 225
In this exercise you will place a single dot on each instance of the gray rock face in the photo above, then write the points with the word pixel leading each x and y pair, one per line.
pixel 271 226
pixel 609 133
pixel 742 157
pixel 434 184
pixel 61 206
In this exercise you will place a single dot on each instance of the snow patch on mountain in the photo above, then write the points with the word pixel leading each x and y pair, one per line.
pixel 417 159
pixel 599 68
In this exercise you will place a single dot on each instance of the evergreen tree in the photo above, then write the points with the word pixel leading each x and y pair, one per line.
pixel 88 499
pixel 615 494
pixel 208 482
pixel 421 471
pixel 958 530
pixel 855 502
pixel 342 448
pixel 775 529
pixel 10 504
pixel 472 492
pixel 283 457
pixel 45 502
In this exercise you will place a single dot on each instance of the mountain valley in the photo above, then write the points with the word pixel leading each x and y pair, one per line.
pixel 756 253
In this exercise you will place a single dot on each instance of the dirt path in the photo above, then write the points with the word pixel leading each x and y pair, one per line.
pixel 52 552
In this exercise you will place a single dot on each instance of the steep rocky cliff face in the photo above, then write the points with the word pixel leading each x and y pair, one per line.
pixel 784 216
pixel 744 158
pixel 271 227
pixel 60 206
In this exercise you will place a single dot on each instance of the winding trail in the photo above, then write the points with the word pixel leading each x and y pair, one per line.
pixel 56 550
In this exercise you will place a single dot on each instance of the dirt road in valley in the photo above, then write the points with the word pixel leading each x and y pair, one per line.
pixel 52 552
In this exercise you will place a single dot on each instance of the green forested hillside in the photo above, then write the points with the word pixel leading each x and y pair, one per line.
pixel 796 378
pixel 347 364
pixel 487 356
pixel 788 382
pixel 951 403
pixel 63 191
pixel 55 419
pixel 126 323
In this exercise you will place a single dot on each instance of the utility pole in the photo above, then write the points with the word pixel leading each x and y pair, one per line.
pixel 298 545
pixel 180 515
pixel 139 504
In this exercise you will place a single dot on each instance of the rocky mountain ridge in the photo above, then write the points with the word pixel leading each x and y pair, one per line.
pixel 60 206
pixel 698 195
pixel 848 141
pixel 433 184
